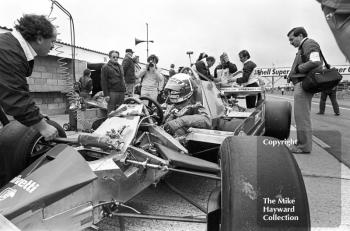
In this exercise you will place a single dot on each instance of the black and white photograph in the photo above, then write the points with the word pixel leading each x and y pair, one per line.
pixel 196 115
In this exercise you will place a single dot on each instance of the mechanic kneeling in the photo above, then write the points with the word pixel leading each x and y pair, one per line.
pixel 184 110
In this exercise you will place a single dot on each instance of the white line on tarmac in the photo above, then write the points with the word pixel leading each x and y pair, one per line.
pixel 314 139
pixel 343 108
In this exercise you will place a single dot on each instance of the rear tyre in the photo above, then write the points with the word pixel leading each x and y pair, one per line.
pixel 252 170
pixel 277 119
pixel 19 147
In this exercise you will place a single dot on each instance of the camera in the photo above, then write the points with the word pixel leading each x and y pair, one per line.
pixel 150 65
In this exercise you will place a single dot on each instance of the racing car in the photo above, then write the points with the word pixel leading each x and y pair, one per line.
pixel 73 183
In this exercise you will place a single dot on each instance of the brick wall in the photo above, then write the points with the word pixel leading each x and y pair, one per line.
pixel 46 76
pixel 48 85
pixel 50 103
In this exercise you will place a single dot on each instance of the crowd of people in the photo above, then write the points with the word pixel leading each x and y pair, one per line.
pixel 152 82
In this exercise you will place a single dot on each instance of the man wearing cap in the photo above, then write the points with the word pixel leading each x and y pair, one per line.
pixel 129 72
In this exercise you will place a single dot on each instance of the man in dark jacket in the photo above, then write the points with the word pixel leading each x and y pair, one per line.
pixel 248 79
pixel 85 83
pixel 33 35
pixel 224 65
pixel 112 82
pixel 332 93
pixel 307 59
pixel 129 72
pixel 202 66
pixel 337 14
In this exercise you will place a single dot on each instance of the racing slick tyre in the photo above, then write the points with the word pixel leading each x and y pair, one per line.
pixel 19 147
pixel 257 178
pixel 277 119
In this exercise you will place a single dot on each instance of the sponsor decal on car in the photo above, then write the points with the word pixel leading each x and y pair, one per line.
pixel 28 185
pixel 8 192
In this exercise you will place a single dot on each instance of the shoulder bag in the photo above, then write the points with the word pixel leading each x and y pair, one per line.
pixel 321 80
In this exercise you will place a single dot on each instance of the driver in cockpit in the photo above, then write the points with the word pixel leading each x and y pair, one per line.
pixel 184 109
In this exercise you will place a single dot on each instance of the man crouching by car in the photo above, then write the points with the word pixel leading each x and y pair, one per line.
pixel 33 35
pixel 184 111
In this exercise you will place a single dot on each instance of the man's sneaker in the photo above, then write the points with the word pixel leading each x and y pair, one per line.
pixel 296 150
pixel 337 114
pixel 320 113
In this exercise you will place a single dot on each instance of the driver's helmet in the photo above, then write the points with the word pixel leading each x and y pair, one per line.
pixel 179 88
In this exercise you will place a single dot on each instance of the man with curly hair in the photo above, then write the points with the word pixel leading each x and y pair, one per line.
pixel 33 35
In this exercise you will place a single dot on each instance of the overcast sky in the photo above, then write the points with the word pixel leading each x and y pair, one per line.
pixel 178 26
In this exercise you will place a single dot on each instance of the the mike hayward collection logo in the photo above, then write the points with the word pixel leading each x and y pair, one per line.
pixel 8 192
pixel 28 185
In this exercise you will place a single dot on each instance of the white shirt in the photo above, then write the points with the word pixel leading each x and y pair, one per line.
pixel 27 48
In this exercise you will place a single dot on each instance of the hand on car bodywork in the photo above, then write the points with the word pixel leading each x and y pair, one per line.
pixel 48 131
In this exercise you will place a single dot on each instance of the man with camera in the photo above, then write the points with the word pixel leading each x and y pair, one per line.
pixel 151 79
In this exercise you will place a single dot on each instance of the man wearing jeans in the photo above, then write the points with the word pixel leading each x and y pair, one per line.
pixel 306 59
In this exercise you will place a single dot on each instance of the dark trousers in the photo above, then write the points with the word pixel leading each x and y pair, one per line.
pixel 115 100
pixel 333 96
pixel 252 100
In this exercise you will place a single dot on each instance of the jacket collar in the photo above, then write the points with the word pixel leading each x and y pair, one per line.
pixel 302 42
pixel 246 61
pixel 27 48
pixel 110 63
pixel 115 66
pixel 205 62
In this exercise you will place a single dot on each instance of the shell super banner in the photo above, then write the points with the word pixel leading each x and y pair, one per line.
pixel 284 71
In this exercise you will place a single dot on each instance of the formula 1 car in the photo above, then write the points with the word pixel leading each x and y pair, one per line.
pixel 73 183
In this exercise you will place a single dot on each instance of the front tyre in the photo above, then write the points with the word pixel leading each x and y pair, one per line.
pixel 252 170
